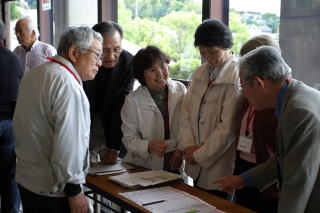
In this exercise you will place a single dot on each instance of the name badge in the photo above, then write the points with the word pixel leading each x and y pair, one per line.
pixel 244 144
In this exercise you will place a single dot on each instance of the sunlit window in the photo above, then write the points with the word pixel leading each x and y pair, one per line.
pixel 248 18
pixel 18 9
pixel 168 24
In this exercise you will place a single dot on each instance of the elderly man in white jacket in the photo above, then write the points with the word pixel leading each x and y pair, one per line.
pixel 52 126
pixel 150 115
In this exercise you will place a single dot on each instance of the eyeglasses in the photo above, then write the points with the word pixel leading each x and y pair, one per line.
pixel 244 83
pixel 99 56
pixel 114 51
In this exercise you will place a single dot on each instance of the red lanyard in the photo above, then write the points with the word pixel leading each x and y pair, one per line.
pixel 65 66
pixel 166 117
pixel 249 118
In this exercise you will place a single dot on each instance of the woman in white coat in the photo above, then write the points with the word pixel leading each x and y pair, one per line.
pixel 209 108
pixel 150 115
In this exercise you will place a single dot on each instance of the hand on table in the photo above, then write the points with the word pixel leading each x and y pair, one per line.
pixel 110 157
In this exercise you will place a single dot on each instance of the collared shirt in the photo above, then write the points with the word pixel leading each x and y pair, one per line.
pixel 278 102
pixel 52 126
pixel 37 55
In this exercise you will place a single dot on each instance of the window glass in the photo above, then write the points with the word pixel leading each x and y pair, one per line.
pixel 17 10
pixel 73 13
pixel 167 24
pixel 248 18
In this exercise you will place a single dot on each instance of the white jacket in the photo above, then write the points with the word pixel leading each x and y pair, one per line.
pixel 214 132
pixel 142 122
pixel 52 126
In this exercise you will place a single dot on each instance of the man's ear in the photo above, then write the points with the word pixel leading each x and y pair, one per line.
pixel 33 34
pixel 73 53
pixel 260 82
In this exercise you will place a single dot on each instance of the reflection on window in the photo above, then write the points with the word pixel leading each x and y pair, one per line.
pixel 19 9
pixel 248 18
pixel 167 24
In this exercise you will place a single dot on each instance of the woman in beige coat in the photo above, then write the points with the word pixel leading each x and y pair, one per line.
pixel 208 110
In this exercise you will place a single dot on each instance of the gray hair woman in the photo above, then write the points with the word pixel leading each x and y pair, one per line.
pixel 208 110
pixel 150 115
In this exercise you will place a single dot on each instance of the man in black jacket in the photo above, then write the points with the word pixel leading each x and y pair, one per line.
pixel 107 92
pixel 11 73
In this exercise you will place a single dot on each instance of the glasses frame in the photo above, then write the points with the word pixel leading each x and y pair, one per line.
pixel 244 83
pixel 113 51
pixel 99 57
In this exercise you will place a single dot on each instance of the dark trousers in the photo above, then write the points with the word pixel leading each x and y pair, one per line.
pixel 250 197
pixel 34 203
pixel 10 201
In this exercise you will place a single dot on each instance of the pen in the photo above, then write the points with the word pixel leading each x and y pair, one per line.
pixel 154 202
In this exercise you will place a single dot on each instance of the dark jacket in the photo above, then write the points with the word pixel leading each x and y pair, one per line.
pixel 106 94
pixel 11 73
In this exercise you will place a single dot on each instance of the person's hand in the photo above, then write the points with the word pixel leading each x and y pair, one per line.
pixel 229 183
pixel 78 203
pixel 176 159
pixel 188 154
pixel 158 147
pixel 110 157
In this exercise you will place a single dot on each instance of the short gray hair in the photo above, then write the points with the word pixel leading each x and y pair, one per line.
pixel 264 62
pixel 2 31
pixel 31 26
pixel 81 37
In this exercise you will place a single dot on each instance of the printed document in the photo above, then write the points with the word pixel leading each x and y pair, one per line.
pixel 169 200
pixel 145 179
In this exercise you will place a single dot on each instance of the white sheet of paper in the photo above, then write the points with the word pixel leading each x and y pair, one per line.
pixel 175 201
pixel 109 169
pixel 144 179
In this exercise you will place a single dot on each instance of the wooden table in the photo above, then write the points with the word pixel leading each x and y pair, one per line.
pixel 103 186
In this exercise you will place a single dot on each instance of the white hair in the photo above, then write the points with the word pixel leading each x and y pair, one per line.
pixel 265 62
pixel 31 25
pixel 81 37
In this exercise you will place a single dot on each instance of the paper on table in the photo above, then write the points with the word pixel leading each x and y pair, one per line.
pixel 175 201
pixel 144 179
pixel 109 169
